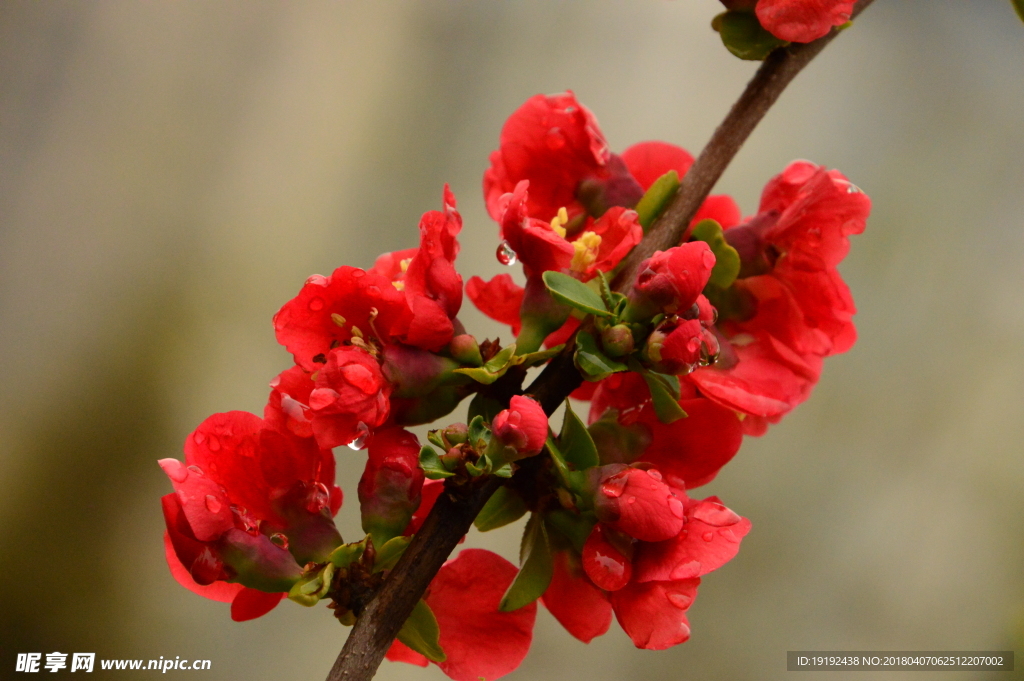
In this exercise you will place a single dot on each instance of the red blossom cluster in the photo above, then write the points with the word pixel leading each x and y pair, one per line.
pixel 716 337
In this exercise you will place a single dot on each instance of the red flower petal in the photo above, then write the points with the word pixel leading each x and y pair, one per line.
pixel 399 652
pixel 638 503
pixel 250 604
pixel 606 566
pixel 801 21
pixel 580 607
pixel 217 591
pixel 500 299
pixel 647 161
pixel 653 614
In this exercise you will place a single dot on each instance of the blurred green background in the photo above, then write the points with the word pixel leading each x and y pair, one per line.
pixel 172 172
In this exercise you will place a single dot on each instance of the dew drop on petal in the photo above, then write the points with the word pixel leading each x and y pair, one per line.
pixel 214 444
pixel 213 503
pixel 687 570
pixel 613 486
pixel 178 473
pixel 681 601
pixel 505 254
pixel 373 291
pixel 708 536
pixel 676 507
pixel 248 523
pixel 316 304
pixel 654 473
pixel 196 469
pixel 709 259
pixel 554 139
pixel 279 540
pixel 318 499
pixel 206 568
pixel 851 188
pixel 715 514
pixel 362 432
pixel 631 500
pixel 198 438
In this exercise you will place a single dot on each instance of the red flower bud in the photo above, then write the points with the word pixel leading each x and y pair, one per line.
pixel 523 426
pixel 638 503
pixel 389 491
pixel 672 280
pixel 350 398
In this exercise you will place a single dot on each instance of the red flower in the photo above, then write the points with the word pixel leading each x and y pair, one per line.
pixel 250 505
pixel 688 452
pixel 350 398
pixel 477 639
pixel 638 503
pixel 801 21
pixel 523 426
pixel 790 308
pixel 427 276
pixel 672 280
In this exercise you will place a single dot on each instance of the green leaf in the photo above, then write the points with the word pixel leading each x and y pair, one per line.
pixel 654 202
pixel 389 554
pixel 671 382
pixel 535 358
pixel 727 260
pixel 1019 6
pixel 431 464
pixel 421 633
pixel 479 433
pixel 575 443
pixel 494 368
pixel 665 405
pixel 594 364
pixel 346 554
pixel 535 573
pixel 575 293
pixel 502 358
pixel 744 36
pixel 504 507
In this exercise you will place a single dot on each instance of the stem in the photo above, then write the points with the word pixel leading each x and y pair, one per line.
pixel 454 512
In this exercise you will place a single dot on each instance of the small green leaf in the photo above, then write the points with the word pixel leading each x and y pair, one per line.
pixel 421 633
pixel 575 443
pixel 575 293
pixel 671 382
pixel 346 554
pixel 535 573
pixel 1019 6
pixel 479 433
pixel 389 554
pixel 501 359
pixel 504 507
pixel 665 405
pixel 727 260
pixel 494 368
pixel 654 202
pixel 594 364
pixel 743 35
pixel 535 358
pixel 431 464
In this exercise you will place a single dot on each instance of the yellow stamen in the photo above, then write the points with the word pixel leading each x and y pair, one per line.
pixel 404 264
pixel 356 332
pixel 585 255
pixel 338 319
pixel 559 221
pixel 400 285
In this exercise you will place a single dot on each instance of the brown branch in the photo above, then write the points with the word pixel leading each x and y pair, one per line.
pixel 455 510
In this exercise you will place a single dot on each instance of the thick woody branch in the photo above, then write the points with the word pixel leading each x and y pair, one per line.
pixel 454 511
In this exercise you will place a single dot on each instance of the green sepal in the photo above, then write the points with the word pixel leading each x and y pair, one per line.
pixel 573 526
pixel 503 471
pixel 592 363
pixel 533 359
pixel 727 260
pixel 666 405
pixel 312 587
pixel 743 35
pixel 389 553
pixel 421 633
pixel 575 293
pixel 346 554
pixel 535 574
pixel 494 368
pixel 434 437
pixel 504 507
pixel 654 202
pixel 432 465
pixel 573 481
pixel 479 434
pixel 575 443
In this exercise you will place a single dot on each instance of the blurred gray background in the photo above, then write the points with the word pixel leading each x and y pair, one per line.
pixel 170 173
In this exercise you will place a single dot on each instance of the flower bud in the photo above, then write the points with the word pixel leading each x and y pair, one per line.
pixel 466 350
pixel 456 433
pixel 350 390
pixel 617 340
pixel 675 346
pixel 389 491
pixel 523 427
pixel 670 281
pixel 638 503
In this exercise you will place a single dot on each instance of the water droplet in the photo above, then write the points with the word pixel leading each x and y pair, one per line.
pixel 655 474
pixel 851 188
pixel 505 254
pixel 248 523
pixel 213 503
pixel 358 274
pixel 198 438
pixel 214 444
pixel 613 486
pixel 373 291
pixel 177 473
pixel 681 601
pixel 554 139
pixel 687 570
pixel 631 500
pixel 709 259
pixel 676 507
pixel 279 540
pixel 708 536
pixel 318 499
pixel 206 568
pixel 362 432
pixel 197 470
pixel 714 514
pixel 316 304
